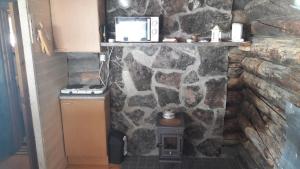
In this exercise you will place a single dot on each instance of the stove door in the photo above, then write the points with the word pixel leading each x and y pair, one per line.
pixel 171 146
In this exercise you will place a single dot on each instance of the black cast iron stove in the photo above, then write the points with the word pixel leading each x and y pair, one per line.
pixel 170 141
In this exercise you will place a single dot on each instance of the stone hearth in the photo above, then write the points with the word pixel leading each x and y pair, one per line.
pixel 150 79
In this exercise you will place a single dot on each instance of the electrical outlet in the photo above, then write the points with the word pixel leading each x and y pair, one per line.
pixel 102 57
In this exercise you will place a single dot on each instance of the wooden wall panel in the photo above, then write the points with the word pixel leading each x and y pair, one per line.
pixel 51 74
pixel 76 25
pixel 83 68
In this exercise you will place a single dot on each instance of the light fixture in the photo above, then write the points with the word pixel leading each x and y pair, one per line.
pixel 296 4
pixel 125 3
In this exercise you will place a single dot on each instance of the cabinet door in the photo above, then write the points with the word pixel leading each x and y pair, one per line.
pixel 85 131
pixel 76 25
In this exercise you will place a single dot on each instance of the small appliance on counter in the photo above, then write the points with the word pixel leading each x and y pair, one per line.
pixel 83 90
pixel 117 147
pixel 216 34
pixel 137 29
pixel 237 32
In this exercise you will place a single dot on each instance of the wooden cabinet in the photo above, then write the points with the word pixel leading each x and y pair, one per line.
pixel 76 24
pixel 85 127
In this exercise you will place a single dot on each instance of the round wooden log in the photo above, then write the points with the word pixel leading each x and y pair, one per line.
pixel 274 146
pixel 231 125
pixel 238 135
pixel 239 16
pixel 284 77
pixel 258 157
pixel 234 97
pixel 274 122
pixel 235 65
pixel 254 137
pixel 235 72
pixel 231 112
pixel 233 138
pixel 279 51
pixel 264 107
pixel 234 84
pixel 246 47
pixel 271 27
pixel 252 114
pixel 236 56
pixel 272 93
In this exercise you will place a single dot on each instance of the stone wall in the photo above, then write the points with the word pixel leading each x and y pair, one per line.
pixel 149 79
pixel 180 18
pixel 146 80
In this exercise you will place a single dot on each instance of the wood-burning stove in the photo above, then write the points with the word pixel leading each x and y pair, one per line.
pixel 170 141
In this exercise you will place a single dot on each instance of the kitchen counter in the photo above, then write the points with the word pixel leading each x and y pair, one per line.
pixel 84 96
pixel 86 125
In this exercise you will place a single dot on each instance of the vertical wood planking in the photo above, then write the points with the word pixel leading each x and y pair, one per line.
pixel 50 75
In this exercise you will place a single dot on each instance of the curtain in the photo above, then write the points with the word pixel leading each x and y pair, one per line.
pixel 11 120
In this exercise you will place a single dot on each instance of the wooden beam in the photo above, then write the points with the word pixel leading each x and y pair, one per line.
pixel 236 56
pixel 276 95
pixel 235 83
pixel 255 139
pixel 282 51
pixel 276 27
pixel 282 76
pixel 275 147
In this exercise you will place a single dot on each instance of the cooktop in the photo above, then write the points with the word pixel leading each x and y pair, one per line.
pixel 83 89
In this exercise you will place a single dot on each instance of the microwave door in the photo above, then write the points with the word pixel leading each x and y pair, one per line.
pixel 138 30
pixel 132 30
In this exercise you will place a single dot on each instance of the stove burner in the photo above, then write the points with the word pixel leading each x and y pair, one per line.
pixel 83 90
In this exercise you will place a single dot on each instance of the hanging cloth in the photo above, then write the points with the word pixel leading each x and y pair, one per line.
pixel 11 123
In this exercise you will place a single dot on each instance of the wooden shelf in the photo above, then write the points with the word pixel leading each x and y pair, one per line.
pixel 213 44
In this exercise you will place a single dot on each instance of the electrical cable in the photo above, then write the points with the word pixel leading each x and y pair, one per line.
pixel 108 66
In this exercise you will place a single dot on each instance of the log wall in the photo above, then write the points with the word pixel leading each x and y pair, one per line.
pixel 270 78
pixel 232 133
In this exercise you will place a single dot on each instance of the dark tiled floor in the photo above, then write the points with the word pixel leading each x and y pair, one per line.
pixel 16 162
pixel 189 163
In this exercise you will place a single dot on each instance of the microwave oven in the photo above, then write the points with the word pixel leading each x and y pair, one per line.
pixel 137 29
